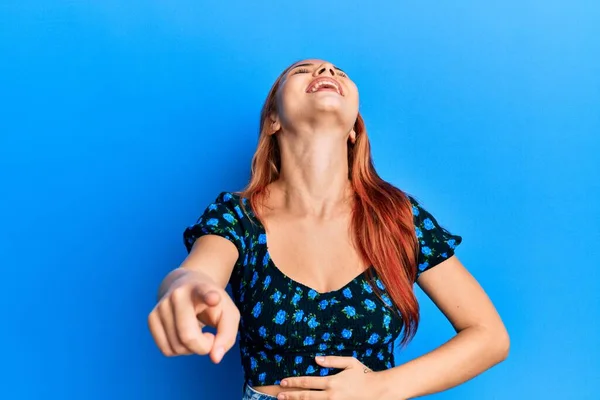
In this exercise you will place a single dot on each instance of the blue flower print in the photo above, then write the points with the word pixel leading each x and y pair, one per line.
pixel 323 304
pixel 254 279
pixel 386 321
pixel 278 358
pixel 312 322
pixel 373 338
pixel 349 311
pixel 238 211
pixel 262 377
pixel 267 282
pixel 369 305
pixel 324 372
pixel 386 299
pixel 227 196
pixel 229 218
pixel 346 334
pixel 262 238
pixel 379 284
pixel 312 294
pixel 253 363
pixel 451 243
pixel 280 339
pixel 347 293
pixel 428 224
pixel 415 210
pixel 369 352
pixel 212 207
pixel 212 222
pixel 298 315
pixel 326 336
pixel 340 346
pixel 310 369
pixel 296 299
pixel 367 287
pixel 426 250
pixel 262 331
pixel 309 340
pixel 276 296
pixel 322 347
pixel 280 317
pixel 419 232
pixel 257 309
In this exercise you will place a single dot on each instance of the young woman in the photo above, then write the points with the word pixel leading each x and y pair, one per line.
pixel 322 256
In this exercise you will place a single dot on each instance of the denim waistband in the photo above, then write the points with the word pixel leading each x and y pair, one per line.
pixel 251 394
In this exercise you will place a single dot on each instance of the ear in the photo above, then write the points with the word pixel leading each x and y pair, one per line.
pixel 352 136
pixel 274 124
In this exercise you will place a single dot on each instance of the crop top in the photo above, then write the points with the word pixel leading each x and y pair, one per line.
pixel 285 324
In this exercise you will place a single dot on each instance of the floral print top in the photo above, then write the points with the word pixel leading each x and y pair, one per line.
pixel 285 324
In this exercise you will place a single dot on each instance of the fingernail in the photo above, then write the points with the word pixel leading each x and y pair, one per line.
pixel 219 352
pixel 281 396
pixel 283 383
pixel 320 358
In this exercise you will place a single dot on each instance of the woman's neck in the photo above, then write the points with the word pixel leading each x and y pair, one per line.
pixel 314 175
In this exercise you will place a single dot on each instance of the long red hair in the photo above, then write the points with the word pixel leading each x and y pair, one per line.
pixel 382 219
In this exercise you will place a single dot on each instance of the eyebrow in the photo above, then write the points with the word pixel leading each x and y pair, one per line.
pixel 309 64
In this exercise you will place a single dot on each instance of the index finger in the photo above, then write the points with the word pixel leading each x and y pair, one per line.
pixel 207 294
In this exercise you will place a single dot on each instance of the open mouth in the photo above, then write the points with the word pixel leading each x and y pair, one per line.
pixel 324 84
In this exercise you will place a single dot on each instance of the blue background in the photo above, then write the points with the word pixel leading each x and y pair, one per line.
pixel 120 121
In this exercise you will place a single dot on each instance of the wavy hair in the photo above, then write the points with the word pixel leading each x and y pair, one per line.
pixel 382 219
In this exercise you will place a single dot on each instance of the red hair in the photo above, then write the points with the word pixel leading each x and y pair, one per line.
pixel 382 219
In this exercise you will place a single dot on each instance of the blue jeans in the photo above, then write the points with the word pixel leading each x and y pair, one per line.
pixel 251 394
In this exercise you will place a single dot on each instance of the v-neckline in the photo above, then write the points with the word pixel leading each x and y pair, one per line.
pixel 297 283
pixel 284 276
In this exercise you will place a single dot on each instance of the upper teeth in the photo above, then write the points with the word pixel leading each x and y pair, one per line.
pixel 320 84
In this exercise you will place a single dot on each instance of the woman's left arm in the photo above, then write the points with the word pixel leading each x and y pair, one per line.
pixel 481 341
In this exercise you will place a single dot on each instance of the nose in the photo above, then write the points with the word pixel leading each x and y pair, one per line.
pixel 325 68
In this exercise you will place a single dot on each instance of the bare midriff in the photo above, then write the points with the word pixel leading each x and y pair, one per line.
pixel 272 390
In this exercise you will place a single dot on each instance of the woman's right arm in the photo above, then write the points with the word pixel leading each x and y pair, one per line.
pixel 192 296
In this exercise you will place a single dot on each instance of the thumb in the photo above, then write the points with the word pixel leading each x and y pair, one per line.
pixel 336 361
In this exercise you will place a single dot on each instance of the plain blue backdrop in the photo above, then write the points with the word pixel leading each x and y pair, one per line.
pixel 121 120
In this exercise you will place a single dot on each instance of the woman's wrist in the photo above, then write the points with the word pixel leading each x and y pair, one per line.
pixel 384 386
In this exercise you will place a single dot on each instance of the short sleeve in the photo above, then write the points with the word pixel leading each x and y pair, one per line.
pixel 223 217
pixel 436 243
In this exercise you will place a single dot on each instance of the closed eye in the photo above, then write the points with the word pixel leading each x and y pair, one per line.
pixel 306 70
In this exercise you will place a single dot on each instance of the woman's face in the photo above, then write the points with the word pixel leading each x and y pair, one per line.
pixel 316 94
